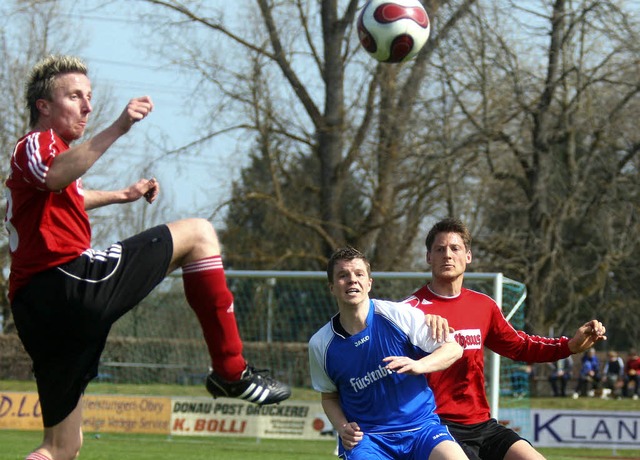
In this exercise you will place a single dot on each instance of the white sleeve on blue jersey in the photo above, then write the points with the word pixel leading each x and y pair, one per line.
pixel 411 321
pixel 318 346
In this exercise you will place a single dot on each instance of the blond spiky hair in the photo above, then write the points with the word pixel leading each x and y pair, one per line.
pixel 42 77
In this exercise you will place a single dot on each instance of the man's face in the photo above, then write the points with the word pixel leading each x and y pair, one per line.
pixel 448 256
pixel 351 282
pixel 68 110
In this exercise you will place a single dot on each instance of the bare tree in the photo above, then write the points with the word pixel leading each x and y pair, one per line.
pixel 555 116
pixel 306 90
pixel 517 117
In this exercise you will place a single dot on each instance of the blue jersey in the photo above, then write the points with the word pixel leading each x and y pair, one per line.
pixel 377 399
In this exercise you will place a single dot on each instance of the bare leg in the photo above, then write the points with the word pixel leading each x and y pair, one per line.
pixel 522 450
pixel 193 239
pixel 448 450
pixel 64 440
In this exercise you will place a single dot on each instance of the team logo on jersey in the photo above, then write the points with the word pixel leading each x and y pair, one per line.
pixel 361 341
pixel 469 339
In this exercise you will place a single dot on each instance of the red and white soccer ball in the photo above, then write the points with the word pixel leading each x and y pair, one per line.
pixel 393 30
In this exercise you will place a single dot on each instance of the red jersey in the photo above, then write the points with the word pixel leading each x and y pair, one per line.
pixel 478 322
pixel 45 228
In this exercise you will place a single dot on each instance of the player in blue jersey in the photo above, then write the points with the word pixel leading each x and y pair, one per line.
pixel 368 363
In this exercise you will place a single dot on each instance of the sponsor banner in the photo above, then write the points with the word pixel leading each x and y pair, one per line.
pixel 518 419
pixel 20 411
pixel 585 429
pixel 232 417
pixel 126 414
pixel 179 416
pixel 101 413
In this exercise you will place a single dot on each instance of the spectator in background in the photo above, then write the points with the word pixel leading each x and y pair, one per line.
pixel 613 374
pixel 632 374
pixel 589 377
pixel 561 372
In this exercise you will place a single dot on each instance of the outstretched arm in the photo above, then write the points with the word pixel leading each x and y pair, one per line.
pixel 147 188
pixel 73 163
pixel 440 359
pixel 349 432
pixel 586 336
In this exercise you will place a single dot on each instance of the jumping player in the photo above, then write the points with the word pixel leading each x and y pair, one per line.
pixel 367 363
pixel 478 322
pixel 64 295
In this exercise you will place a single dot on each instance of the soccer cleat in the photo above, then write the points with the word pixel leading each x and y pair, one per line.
pixel 254 385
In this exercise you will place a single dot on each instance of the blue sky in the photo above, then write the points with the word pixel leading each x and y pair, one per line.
pixel 117 62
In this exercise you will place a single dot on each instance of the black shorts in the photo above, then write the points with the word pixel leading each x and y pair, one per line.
pixel 483 441
pixel 63 315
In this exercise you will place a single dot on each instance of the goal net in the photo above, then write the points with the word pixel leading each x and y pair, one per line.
pixel 160 340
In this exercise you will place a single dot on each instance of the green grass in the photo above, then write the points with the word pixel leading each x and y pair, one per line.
pixel 306 394
pixel 297 394
pixel 16 444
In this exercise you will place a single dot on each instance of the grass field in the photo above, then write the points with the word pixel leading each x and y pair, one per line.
pixel 14 445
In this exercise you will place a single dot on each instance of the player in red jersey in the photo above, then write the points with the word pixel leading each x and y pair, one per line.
pixel 478 322
pixel 65 296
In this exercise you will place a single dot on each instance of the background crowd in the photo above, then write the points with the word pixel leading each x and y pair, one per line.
pixel 614 377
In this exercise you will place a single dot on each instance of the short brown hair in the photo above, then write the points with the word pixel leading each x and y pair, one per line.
pixel 42 78
pixel 449 225
pixel 347 253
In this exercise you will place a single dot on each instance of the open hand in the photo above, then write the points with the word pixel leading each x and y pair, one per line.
pixel 404 364
pixel 440 329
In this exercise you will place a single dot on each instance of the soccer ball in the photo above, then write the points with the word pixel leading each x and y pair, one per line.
pixel 393 31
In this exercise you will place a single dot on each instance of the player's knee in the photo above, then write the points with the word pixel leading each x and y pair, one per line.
pixel 205 234
pixel 203 226
pixel 193 232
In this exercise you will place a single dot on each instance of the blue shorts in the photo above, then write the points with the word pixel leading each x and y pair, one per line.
pixel 64 314
pixel 409 445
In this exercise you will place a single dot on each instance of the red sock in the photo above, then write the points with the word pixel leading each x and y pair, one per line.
pixel 36 456
pixel 205 287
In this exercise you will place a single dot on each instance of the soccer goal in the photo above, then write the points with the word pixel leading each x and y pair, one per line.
pixel 277 312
